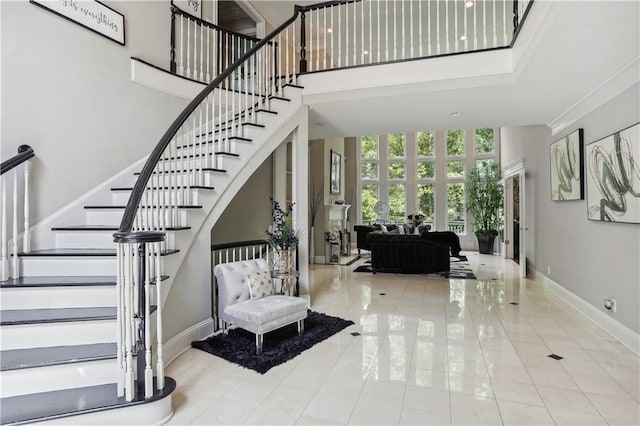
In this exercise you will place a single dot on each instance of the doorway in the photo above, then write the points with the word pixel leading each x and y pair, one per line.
pixel 515 220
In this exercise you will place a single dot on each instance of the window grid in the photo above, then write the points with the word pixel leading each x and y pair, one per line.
pixel 464 152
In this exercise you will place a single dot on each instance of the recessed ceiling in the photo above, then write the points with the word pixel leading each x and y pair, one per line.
pixel 565 52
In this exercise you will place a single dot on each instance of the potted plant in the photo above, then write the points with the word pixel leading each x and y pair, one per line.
pixel 282 237
pixel 484 192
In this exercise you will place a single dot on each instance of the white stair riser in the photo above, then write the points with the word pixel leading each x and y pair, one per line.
pixel 97 239
pixel 58 266
pixel 183 197
pixel 57 334
pixel 254 133
pixel 58 297
pixel 85 239
pixel 104 216
pixel 55 377
pixel 114 216
pixel 158 412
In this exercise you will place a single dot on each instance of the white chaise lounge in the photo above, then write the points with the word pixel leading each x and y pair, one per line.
pixel 257 315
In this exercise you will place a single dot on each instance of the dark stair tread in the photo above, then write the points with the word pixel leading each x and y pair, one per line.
pixel 279 98
pixel 38 316
pixel 85 228
pixel 39 357
pixel 205 169
pixel 106 207
pixel 63 403
pixel 259 126
pixel 268 111
pixel 62 281
pixel 166 187
pixel 80 252
pixel 108 228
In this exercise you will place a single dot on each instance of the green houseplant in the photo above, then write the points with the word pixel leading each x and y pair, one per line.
pixel 485 193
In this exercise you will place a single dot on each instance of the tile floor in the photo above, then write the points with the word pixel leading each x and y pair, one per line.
pixel 432 351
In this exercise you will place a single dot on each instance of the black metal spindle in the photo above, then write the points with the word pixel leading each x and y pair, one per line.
pixel 515 15
pixel 172 54
pixel 139 345
pixel 303 42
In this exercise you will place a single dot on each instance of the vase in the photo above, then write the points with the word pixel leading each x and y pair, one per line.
pixel 282 261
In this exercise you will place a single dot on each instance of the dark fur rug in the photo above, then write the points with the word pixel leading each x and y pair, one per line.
pixel 279 346
pixel 459 269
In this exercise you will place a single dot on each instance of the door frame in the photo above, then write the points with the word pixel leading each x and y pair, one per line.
pixel 518 169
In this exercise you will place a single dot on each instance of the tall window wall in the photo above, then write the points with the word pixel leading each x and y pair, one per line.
pixel 403 173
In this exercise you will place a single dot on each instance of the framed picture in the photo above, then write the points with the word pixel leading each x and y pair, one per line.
pixel 567 159
pixel 192 7
pixel 334 172
pixel 613 177
pixel 91 14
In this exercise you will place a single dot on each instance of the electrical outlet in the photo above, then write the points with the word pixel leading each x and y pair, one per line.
pixel 548 270
pixel 610 304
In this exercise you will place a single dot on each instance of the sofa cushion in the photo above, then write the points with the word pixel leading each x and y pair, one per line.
pixel 265 314
pixel 260 284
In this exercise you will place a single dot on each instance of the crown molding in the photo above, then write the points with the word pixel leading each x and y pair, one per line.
pixel 618 82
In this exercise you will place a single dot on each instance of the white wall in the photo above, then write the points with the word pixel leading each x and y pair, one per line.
pixel 594 260
pixel 66 91
pixel 248 216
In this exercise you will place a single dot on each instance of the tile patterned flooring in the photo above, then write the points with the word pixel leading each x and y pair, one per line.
pixel 432 351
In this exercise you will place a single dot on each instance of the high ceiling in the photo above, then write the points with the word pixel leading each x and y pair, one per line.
pixel 569 54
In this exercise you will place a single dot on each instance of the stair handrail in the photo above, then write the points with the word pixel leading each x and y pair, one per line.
pixel 25 152
pixel 128 217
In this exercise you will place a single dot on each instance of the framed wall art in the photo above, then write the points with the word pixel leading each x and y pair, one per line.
pixel 613 177
pixel 91 14
pixel 567 161
pixel 192 7
pixel 334 172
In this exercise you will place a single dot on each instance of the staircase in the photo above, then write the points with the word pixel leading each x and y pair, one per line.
pixel 59 328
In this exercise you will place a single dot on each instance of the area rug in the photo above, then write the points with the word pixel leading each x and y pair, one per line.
pixel 279 346
pixel 458 268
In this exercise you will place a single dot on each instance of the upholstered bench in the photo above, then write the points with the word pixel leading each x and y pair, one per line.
pixel 258 315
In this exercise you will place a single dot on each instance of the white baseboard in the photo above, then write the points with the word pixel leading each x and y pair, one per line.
pixel 180 343
pixel 621 332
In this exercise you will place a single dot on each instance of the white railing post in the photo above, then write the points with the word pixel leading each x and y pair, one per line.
pixel 160 351
pixel 15 273
pixel 5 240
pixel 26 235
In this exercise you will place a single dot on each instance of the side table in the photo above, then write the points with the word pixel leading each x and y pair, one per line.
pixel 286 279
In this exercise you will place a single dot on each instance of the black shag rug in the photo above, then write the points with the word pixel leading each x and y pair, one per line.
pixel 459 268
pixel 279 346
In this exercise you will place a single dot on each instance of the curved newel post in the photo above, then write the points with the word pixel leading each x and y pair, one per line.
pixel 138 270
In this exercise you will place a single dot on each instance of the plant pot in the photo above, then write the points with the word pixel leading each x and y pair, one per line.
pixel 485 243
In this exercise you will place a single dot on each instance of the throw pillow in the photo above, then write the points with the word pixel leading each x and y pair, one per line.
pixel 260 284
pixel 384 228
pixel 401 229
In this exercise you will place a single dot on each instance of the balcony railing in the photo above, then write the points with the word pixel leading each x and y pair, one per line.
pixel 351 33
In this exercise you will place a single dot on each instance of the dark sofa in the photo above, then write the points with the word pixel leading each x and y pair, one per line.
pixel 407 254
pixel 443 237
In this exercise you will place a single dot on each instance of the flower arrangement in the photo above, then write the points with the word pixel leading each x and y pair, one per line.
pixel 281 234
